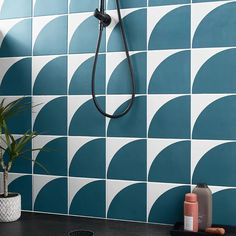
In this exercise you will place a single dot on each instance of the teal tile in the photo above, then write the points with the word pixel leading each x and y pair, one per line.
pixel 136 119
pixel 172 31
pixel 17 80
pixel 221 155
pixel 49 120
pixel 129 163
pixel 51 198
pixel 18 40
pixel 129 203
pixel 83 6
pixel 172 76
pixel 90 200
pixel 172 120
pixel 216 122
pixel 52 79
pixel 90 160
pixel 172 165
pixel 16 9
pixel 84 40
pixel 53 157
pixel 52 7
pixel 216 75
pixel 23 186
pixel 223 15
pixel 93 124
pixel 23 164
pixel 80 83
pixel 168 208
pixel 135 25
pixel 21 122
pixel 167 2
pixel 223 208
pixel 120 80
pixel 52 39
pixel 126 4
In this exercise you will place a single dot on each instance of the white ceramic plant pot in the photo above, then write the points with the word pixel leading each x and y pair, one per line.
pixel 10 207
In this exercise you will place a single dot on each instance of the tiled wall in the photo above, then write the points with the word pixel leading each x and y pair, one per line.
pixel 180 131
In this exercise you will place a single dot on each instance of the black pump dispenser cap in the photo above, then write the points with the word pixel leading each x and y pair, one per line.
pixel 202 185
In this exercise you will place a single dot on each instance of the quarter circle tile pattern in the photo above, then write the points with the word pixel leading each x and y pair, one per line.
pixel 167 210
pixel 90 200
pixel 216 121
pixel 222 15
pixel 172 31
pixel 221 155
pixel 91 152
pixel 181 126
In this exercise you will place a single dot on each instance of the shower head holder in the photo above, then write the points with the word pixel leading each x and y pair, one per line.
pixel 104 18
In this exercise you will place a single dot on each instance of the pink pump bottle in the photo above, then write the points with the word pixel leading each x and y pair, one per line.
pixel 191 212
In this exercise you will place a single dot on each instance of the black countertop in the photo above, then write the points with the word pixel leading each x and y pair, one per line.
pixel 32 224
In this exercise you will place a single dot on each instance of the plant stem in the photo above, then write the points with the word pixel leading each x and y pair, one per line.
pixel 5 183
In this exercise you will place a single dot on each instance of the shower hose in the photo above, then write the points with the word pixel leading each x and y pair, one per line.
pixel 131 101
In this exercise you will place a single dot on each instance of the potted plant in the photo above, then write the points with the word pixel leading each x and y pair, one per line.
pixel 10 203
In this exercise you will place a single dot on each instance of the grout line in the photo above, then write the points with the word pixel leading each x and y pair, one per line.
pixel 106 119
pixel 68 104
pixel 147 63
pixel 191 46
pixel 32 91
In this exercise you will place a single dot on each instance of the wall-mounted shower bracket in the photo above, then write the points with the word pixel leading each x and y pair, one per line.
pixel 104 18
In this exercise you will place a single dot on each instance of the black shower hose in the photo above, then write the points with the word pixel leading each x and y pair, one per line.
pixel 131 101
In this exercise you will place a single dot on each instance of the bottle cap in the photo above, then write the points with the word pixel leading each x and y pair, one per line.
pixel 191 197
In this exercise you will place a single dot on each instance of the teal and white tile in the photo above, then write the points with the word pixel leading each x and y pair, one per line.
pixel 169 72
pixel 206 154
pixel 52 7
pixel 10 9
pixel 165 202
pixel 136 118
pixel 86 157
pixel 87 197
pixel 223 209
pixel 122 155
pixel 169 116
pixel 47 194
pixel 213 117
pixel 133 30
pixel 15 76
pixel 168 161
pixel 49 75
pixel 118 74
pixel 213 70
pixel 16 37
pixel 22 184
pixel 80 74
pixel 126 200
pixel 23 164
pixel 80 39
pixel 21 122
pixel 83 6
pixel 167 2
pixel 50 35
pixel 47 117
pixel 52 158
pixel 169 27
pixel 209 17
pixel 83 117
pixel 111 4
